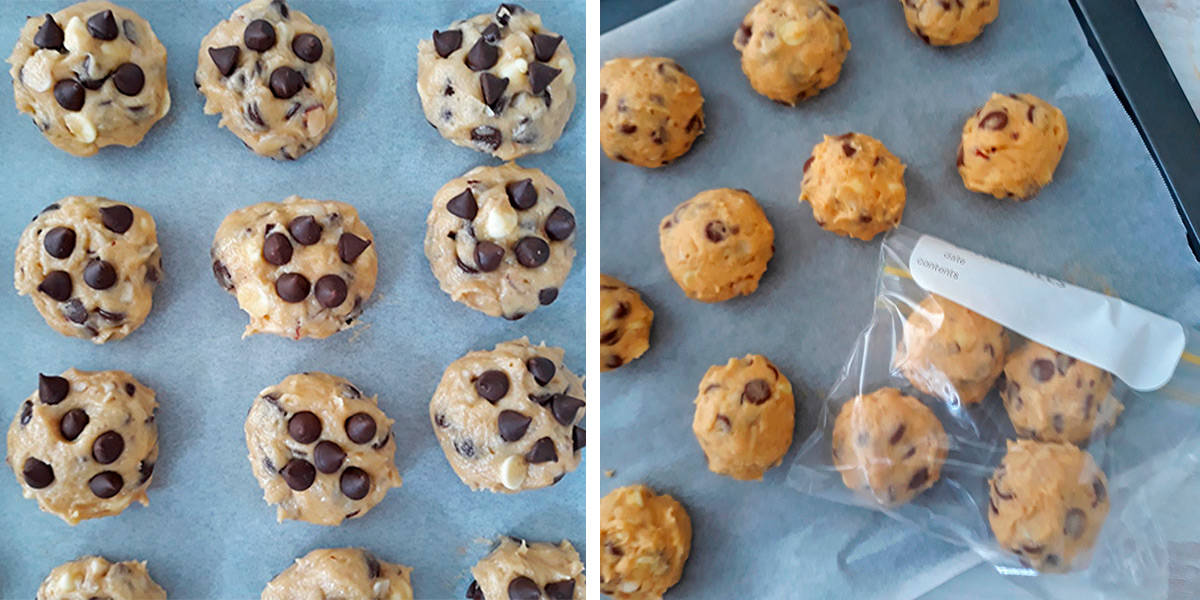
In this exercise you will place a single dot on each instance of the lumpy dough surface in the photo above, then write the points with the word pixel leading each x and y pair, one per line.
pixel 508 418
pixel 94 577
pixel 888 446
pixel 299 268
pixel 342 573
pixel 1011 146
pixel 1048 504
pixel 84 445
pixel 645 539
pixel 91 75
pixel 717 244
pixel 517 569
pixel 321 449
pixel 950 351
pixel 651 110
pixel 625 322
pixel 91 266
pixel 744 417
pixel 269 71
pixel 499 83
pixel 501 240
pixel 854 185
pixel 949 23
pixel 1053 397
pixel 792 49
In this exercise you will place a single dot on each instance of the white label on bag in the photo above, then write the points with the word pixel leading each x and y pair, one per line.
pixel 1136 345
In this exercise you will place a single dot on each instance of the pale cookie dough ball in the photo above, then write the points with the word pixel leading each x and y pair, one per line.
pixel 645 540
pixel 1052 397
pixel 950 351
pixel 91 75
pixel 93 577
pixel 299 268
pixel 508 418
pixel 346 573
pixel 321 449
pixel 624 323
pixel 91 266
pixel 949 22
pixel 717 244
pixel 744 418
pixel 792 49
pixel 520 570
pixel 269 72
pixel 888 446
pixel 651 111
pixel 84 445
pixel 501 240
pixel 1048 503
pixel 855 186
pixel 1011 146
pixel 498 83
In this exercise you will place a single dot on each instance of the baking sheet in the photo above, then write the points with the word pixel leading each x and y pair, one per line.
pixel 207 532
pixel 1107 222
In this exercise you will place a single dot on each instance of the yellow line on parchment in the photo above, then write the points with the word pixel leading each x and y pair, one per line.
pixel 1192 358
pixel 897 272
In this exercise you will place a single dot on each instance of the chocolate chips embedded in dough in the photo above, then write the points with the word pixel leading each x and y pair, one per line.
pixel 446 42
pixel 308 47
pixel 225 58
pixel 102 26
pixel 259 35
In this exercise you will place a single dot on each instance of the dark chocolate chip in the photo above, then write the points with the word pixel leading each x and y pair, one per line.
pixel 561 590
pixel 26 412
pixel 130 389
pixel 1042 369
pixel 488 256
pixel 49 36
pixel 99 274
pixel 70 94
pixel 523 588
pixel 350 246
pixel 75 311
pixel 487 136
pixel 716 231
pixel 541 368
pixel 446 42
pixel 305 229
pixel 492 385
pixel 492 88
pixel 544 46
pixel 37 474
pixel 106 484
pixel 919 478
pixel 259 35
pixel 578 438
pixel 277 249
pixel 282 7
pixel 463 205
pixel 360 428
pixel 560 224
pixel 298 474
pixel 507 10
pixel 540 76
pixel 73 423
pixel 532 252
pixel 52 389
pixel 222 275
pixel 304 427
pixel 542 451
pixel 565 408
pixel 491 33
pixel 355 483
pixel 328 457
pixel 522 195
pixel 59 242
pixel 1099 491
pixel 897 436
pixel 547 296
pixel 995 120
pixel 308 47
pixel 129 79
pixel 225 58
pixel 756 392
pixel 373 569
pixel 465 448
pixel 292 287
pixel 146 471
pixel 473 591
pixel 103 26
pixel 482 55
pixel 108 447
pixel 117 218
pixel 286 82
pixel 331 291
pixel 512 425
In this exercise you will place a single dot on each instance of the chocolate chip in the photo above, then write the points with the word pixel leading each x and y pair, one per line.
pixel 561 590
pixel 696 123
pixel 304 427
pixel 446 42
pixel 69 94
pixel 919 478
pixel 608 338
pixel 225 58
pixel 49 36
pixel 507 10
pixel 292 287
pixel 72 424
pixel 277 250
pixel 463 205
pixel 473 591
pixel 360 428
pixel 512 425
pixel 106 484
pixel 37 474
pixel 373 569
pixel 897 436
pixel 130 389
pixel 565 408
pixel 99 274
pixel 1042 369
pixel 298 474
pixel 492 385
pixel 716 231
pixel 328 457
pixel 603 99
pixel 331 291
pixel 1063 362
pixel 103 26
pixel 547 296
pixel 522 195
pixel 282 7
pixel 482 55
pixel 465 447
pixel 355 483
pixel 544 46
pixel 560 224
pixel 532 252
pixel 492 88
pixel 756 392
pixel 578 438
pixel 487 136
pixel 259 35
pixel 543 451
pixel 350 246
pixel 540 76
pixel 541 368
pixel 286 82
pixel 308 47
pixel 26 412
pixel 488 256
pixel 59 242
pixel 523 588
pixel 117 218
pixel 129 79
pixel 222 275
pixel 145 471
pixel 52 389
pixel 995 120
pixel 75 312
pixel 108 447
pixel 491 33
pixel 1099 490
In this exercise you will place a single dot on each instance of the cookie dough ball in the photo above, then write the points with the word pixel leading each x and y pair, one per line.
pixel 497 83
pixel 84 445
pixel 300 268
pixel 518 569
pixel 95 577
pixel 1011 146
pixel 651 111
pixel 888 446
pixel 950 351
pixel 1048 503
pixel 717 244
pixel 269 72
pixel 942 23
pixel 855 186
pixel 501 240
pixel 624 323
pixel 91 265
pixel 350 573
pixel 321 449
pixel 792 49
pixel 91 75
pixel 1052 397
pixel 645 540
pixel 744 417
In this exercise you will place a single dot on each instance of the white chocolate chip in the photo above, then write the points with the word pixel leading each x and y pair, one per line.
pixel 36 72
pixel 791 33
pixel 629 587
pixel 514 68
pixel 381 587
pixel 315 121
pixel 512 472
pixel 75 35
pixel 80 127
pixel 500 221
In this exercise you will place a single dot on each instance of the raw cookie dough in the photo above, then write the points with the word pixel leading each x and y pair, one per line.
pixel 651 110
pixel 943 23
pixel 520 570
pixel 320 448
pixel 717 244
pixel 299 268
pixel 345 573
pixel 497 83
pixel 645 540
pixel 84 445
pixel 1048 503
pixel 269 72
pixel 91 75
pixel 508 418
pixel 91 265
pixel 624 323
pixel 744 417
pixel 950 351
pixel 501 240
pixel 888 446
pixel 1052 397
pixel 93 577
pixel 1011 146
pixel 855 186
pixel 792 49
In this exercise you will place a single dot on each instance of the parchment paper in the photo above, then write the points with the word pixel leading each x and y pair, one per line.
pixel 207 532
